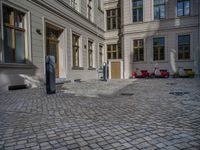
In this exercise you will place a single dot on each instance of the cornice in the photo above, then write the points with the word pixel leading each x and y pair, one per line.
pixel 65 16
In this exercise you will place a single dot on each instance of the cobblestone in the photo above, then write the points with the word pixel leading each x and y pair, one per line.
pixel 150 119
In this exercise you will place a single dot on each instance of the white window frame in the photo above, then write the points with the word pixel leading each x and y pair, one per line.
pixel 27 34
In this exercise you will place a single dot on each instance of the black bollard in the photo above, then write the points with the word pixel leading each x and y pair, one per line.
pixel 105 71
pixel 50 75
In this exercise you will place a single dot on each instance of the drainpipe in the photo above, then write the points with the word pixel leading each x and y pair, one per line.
pixel 199 41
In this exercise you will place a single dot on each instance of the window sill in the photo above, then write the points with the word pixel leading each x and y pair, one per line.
pixel 160 61
pixel 185 60
pixel 77 68
pixel 90 68
pixel 12 65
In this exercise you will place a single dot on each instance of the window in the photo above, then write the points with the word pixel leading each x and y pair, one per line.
pixel 89 9
pixel 75 45
pixel 100 55
pixel 159 9
pixel 113 20
pixel 137 10
pixel 159 48
pixel 183 8
pixel 90 54
pixel 113 51
pixel 138 50
pixel 183 47
pixel 14 35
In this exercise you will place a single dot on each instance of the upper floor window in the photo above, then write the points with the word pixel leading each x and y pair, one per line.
pixel 89 9
pixel 75 46
pixel 90 54
pixel 183 8
pixel 183 47
pixel 137 10
pixel 159 9
pixel 113 21
pixel 138 48
pixel 113 51
pixel 159 48
pixel 14 35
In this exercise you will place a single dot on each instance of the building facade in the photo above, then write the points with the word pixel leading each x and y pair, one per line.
pixel 153 33
pixel 66 29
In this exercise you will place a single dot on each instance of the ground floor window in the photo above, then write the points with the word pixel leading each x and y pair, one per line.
pixel 100 55
pixel 90 54
pixel 14 35
pixel 183 47
pixel 138 48
pixel 159 48
pixel 113 51
pixel 75 46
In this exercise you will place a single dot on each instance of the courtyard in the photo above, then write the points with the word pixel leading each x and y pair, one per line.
pixel 149 114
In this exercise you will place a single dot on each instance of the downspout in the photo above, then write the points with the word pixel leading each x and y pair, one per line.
pixel 199 40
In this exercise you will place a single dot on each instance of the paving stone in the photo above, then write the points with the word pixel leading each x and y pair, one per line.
pixel 151 119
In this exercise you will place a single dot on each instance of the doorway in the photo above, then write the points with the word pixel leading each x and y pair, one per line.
pixel 52 44
pixel 115 70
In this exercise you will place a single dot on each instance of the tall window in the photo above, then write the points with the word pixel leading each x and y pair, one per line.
pixel 184 47
pixel 90 54
pixel 14 35
pixel 137 10
pixel 75 45
pixel 100 55
pixel 183 7
pixel 113 51
pixel 159 48
pixel 89 9
pixel 159 9
pixel 138 49
pixel 113 21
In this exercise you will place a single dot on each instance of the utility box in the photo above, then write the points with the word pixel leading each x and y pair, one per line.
pixel 50 75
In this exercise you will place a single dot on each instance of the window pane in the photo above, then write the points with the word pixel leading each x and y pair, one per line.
pixel 180 9
pixel 156 2
pixel 19 19
pixel 8 15
pixel 162 1
pixel 20 47
pixel 156 12
pixel 8 47
pixel 140 3
pixel 114 55
pixel 114 24
pixel 187 8
pixel 140 14
pixel 162 11
pixel 134 3
pixel 109 55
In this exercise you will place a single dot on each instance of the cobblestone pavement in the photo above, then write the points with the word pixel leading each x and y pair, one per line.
pixel 152 118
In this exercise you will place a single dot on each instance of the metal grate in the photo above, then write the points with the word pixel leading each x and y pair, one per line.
pixel 127 94
pixel 178 93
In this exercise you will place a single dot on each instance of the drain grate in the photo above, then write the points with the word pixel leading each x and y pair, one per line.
pixel 127 94
pixel 171 83
pixel 178 93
